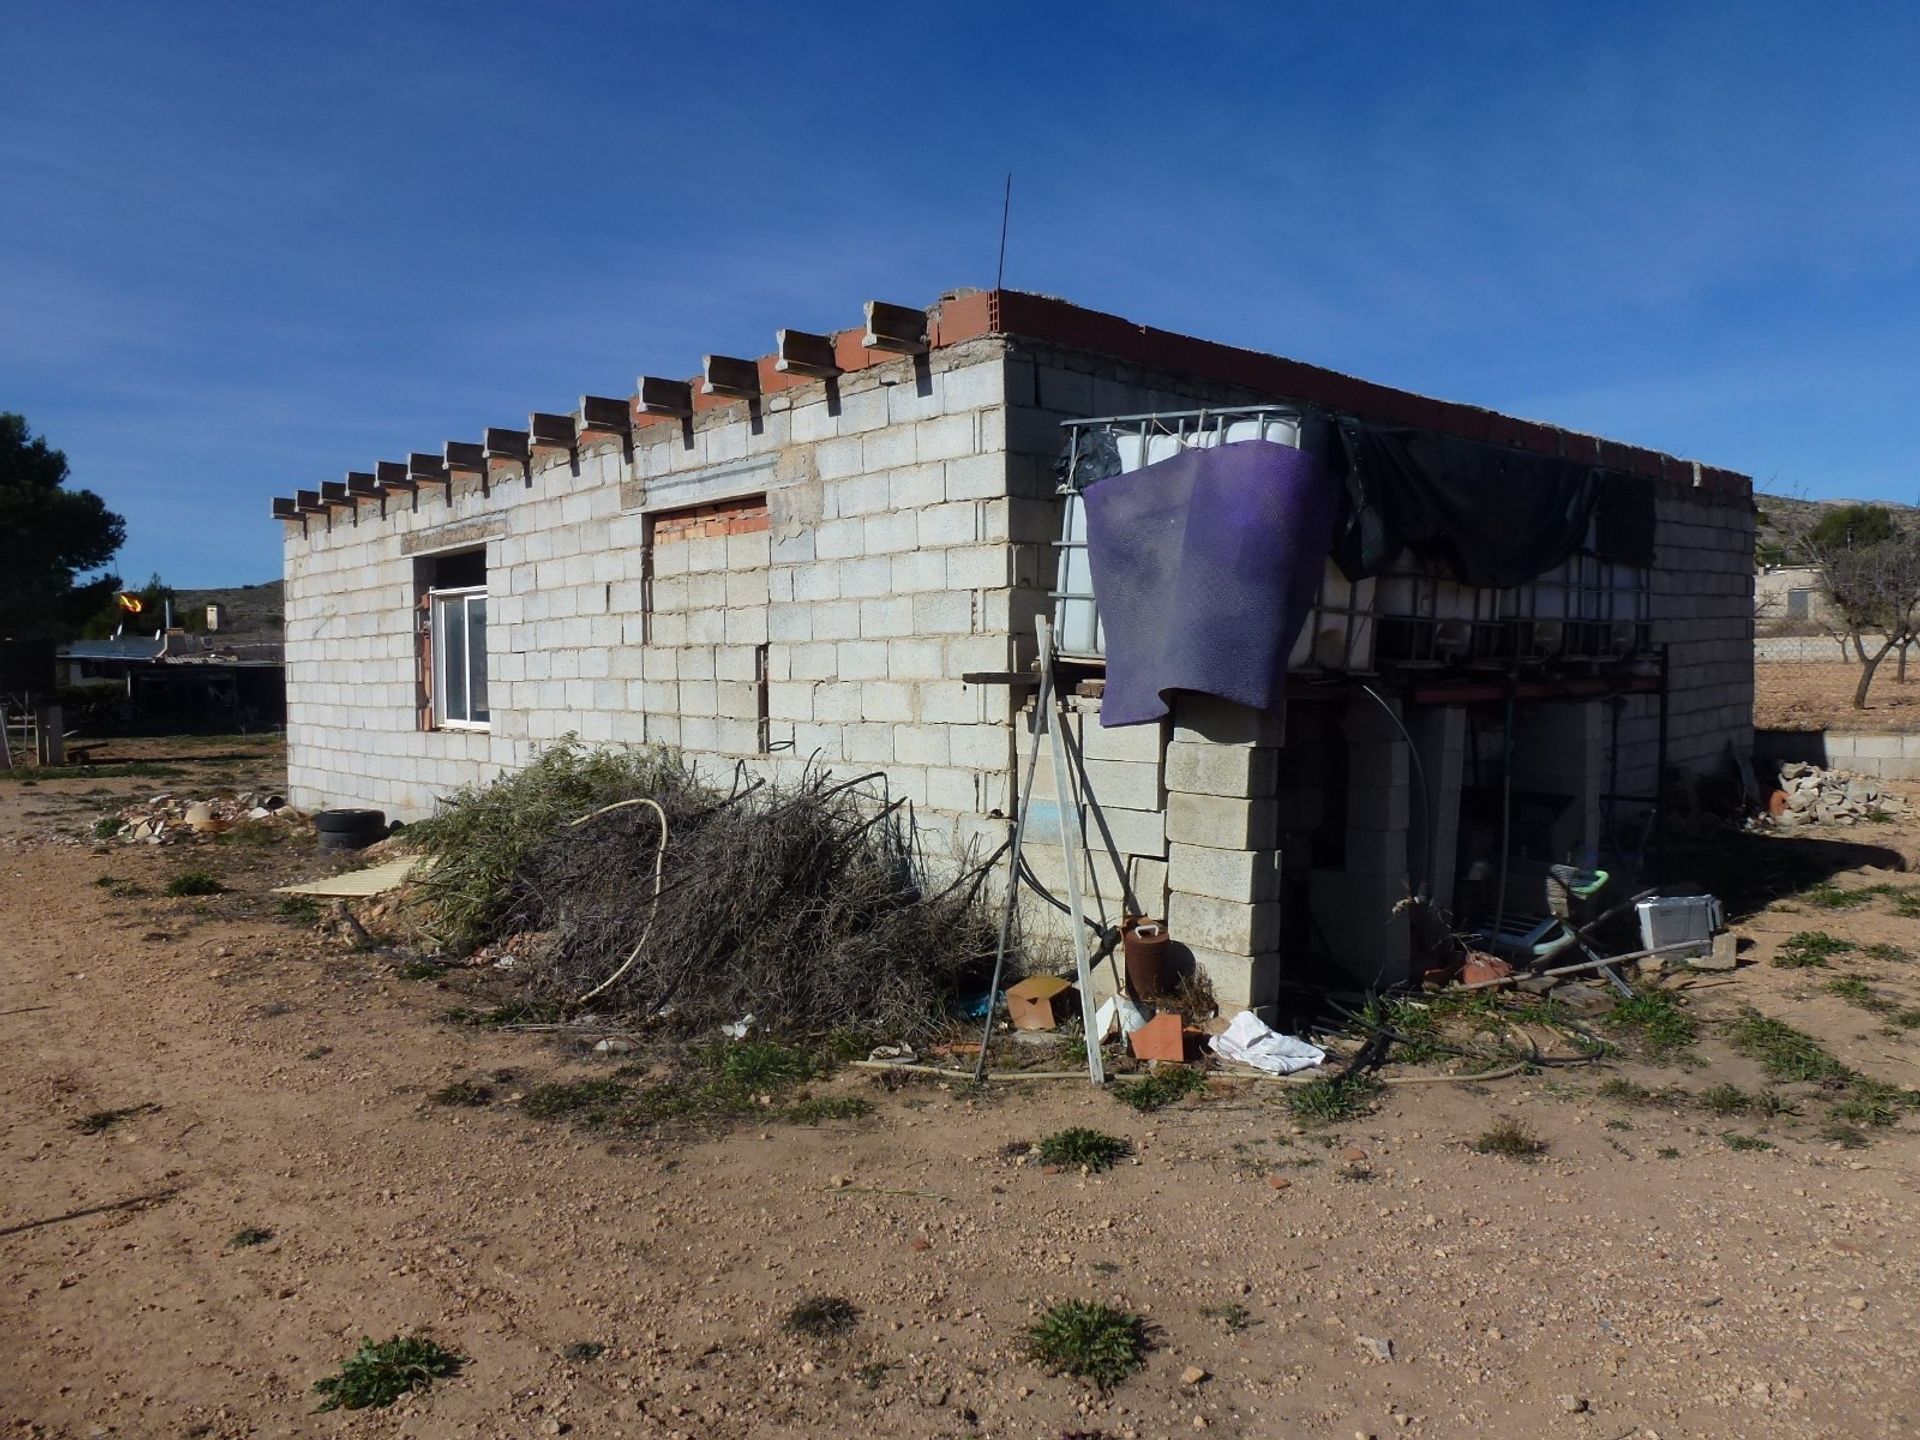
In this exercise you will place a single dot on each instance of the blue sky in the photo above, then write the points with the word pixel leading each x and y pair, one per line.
pixel 247 248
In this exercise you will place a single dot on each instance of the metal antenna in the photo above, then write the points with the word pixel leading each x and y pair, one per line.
pixel 1006 209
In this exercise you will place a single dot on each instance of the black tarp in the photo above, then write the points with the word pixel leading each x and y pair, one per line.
pixel 1497 516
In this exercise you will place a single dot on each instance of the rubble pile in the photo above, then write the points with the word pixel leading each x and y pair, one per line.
pixel 1809 795
pixel 171 819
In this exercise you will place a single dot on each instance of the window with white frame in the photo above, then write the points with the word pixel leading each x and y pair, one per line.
pixel 459 658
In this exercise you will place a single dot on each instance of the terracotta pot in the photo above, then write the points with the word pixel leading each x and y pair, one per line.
pixel 1145 944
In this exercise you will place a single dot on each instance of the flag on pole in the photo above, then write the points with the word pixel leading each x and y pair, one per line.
pixel 129 603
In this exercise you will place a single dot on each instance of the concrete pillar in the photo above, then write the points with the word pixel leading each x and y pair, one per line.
pixel 1223 860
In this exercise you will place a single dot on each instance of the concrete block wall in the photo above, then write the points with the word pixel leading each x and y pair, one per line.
pixel 887 571
pixel 1702 583
pixel 1117 781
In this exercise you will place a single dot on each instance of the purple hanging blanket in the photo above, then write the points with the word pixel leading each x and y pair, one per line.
pixel 1204 568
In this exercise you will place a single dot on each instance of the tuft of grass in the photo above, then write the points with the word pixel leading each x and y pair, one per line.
pixel 759 1065
pixel 377 1375
pixel 195 882
pixel 421 970
pixel 1508 1137
pixel 1810 948
pixel 1887 954
pixel 1330 1099
pixel 1091 1342
pixel 1873 1104
pixel 1726 1100
pixel 834 1107
pixel 1828 896
pixel 1783 1052
pixel 1160 1089
pixel 822 1317
pixel 1906 903
pixel 1236 1318
pixel 1416 1025
pixel 1905 1020
pixel 1737 1141
pixel 250 1236
pixel 106 827
pixel 1659 1020
pixel 1084 1149
pixel 1667 1152
pixel 592 1102
pixel 871 1374
pixel 1847 1137
pixel 1855 991
pixel 300 909
pixel 584 1352
pixel 101 1121
pixel 483 834
pixel 1627 1092
pixel 514 1012
pixel 462 1092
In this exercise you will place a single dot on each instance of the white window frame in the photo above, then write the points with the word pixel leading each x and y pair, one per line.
pixel 435 598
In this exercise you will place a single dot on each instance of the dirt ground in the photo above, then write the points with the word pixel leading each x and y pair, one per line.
pixel 1643 1277
pixel 1820 697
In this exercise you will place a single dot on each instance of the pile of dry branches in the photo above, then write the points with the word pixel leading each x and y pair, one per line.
pixel 803 904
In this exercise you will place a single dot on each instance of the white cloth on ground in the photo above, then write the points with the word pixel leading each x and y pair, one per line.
pixel 1250 1040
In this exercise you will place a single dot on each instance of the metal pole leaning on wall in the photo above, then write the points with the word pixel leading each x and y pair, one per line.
pixel 1055 714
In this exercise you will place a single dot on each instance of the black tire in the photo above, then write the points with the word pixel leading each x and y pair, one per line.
pixel 347 839
pixel 349 822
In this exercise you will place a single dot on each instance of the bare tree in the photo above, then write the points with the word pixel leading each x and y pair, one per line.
pixel 1874 587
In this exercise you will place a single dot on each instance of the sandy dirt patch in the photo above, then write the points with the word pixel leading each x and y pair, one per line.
pixel 1642 1277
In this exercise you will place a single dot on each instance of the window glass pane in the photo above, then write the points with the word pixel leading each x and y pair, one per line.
pixel 452 645
pixel 477 657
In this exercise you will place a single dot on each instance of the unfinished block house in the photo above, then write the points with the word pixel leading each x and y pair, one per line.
pixel 1516 643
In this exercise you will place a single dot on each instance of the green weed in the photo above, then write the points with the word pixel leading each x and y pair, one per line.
pixel 378 1375
pixel 195 882
pixel 1417 1025
pixel 468 1093
pixel 1810 948
pixel 584 1352
pixel 418 969
pixel 835 1107
pixel 590 1101
pixel 1857 992
pixel 1659 1020
pixel 1160 1089
pixel 101 1121
pixel 1887 954
pixel 1330 1099
pixel 1737 1141
pixel 1084 1149
pixel 250 1236
pixel 1828 896
pixel 1725 1100
pixel 514 1012
pixel 822 1317
pixel 1783 1052
pixel 1508 1137
pixel 300 909
pixel 106 827
pixel 1236 1318
pixel 1667 1152
pixel 1091 1342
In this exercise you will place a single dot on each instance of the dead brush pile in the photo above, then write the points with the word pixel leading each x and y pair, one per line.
pixel 802 903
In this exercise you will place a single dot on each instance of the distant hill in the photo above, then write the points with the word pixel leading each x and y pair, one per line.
pixel 253 612
pixel 1779 515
